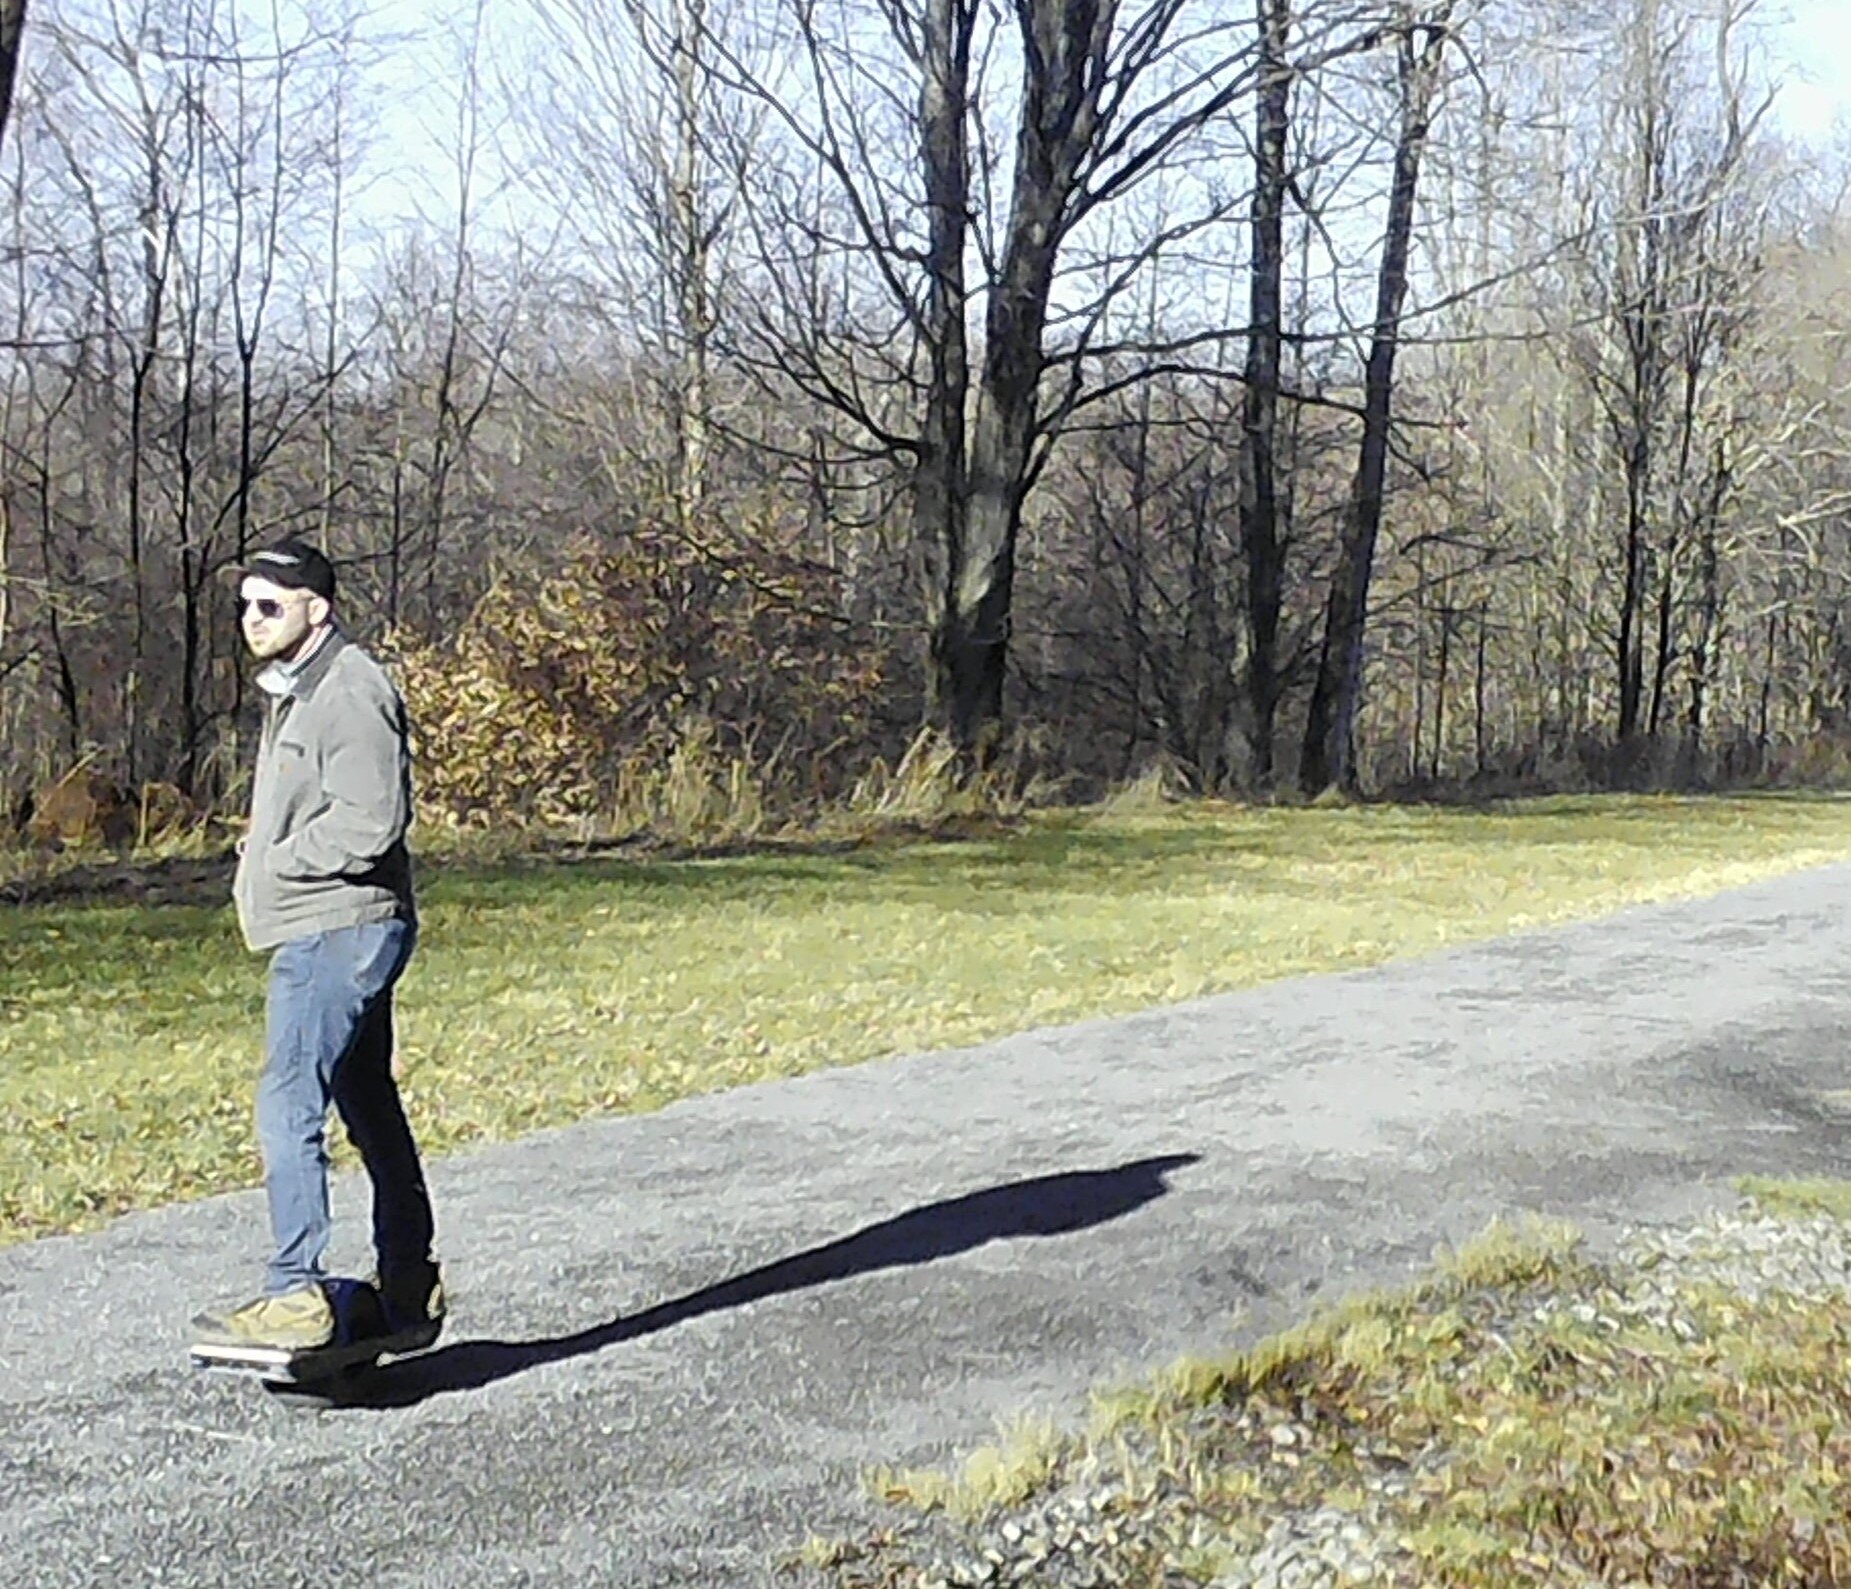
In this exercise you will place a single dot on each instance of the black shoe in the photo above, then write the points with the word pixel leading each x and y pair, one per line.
pixel 414 1302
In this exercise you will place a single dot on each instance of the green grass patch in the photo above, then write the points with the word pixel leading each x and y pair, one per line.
pixel 1799 1198
pixel 1524 1415
pixel 1004 1474
pixel 546 991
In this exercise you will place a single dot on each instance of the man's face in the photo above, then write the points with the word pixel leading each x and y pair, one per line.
pixel 278 622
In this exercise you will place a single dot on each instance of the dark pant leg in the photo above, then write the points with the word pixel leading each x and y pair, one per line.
pixel 367 1096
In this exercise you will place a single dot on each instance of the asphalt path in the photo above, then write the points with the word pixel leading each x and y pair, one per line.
pixel 679 1339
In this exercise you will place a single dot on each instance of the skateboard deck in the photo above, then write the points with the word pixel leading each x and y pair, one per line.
pixel 322 1374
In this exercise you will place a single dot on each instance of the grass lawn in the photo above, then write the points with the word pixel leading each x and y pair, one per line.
pixel 130 1035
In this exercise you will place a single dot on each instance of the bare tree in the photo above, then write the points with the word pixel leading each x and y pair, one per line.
pixel 1421 38
pixel 647 165
pixel 1031 322
pixel 1259 440
pixel 1108 96
pixel 1662 276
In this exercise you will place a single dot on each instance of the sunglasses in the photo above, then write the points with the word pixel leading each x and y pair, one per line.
pixel 267 606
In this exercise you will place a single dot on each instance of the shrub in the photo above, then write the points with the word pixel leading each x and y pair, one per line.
pixel 563 696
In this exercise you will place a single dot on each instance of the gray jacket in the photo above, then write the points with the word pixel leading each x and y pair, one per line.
pixel 330 804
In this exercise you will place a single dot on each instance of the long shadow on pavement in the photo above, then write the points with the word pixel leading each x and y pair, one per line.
pixel 1047 1205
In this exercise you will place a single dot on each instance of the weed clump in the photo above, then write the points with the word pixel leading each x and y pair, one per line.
pixel 1524 1415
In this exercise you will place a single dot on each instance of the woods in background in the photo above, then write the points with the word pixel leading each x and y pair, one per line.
pixel 1371 394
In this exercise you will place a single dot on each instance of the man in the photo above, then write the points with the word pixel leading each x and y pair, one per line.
pixel 324 883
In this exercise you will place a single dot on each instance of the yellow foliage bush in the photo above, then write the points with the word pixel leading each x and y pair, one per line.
pixel 562 692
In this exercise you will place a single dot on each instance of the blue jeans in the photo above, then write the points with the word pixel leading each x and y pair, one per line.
pixel 329 1022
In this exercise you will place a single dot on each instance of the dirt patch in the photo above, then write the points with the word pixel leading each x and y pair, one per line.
pixel 191 881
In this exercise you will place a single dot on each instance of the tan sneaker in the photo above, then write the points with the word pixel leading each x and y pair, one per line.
pixel 296 1321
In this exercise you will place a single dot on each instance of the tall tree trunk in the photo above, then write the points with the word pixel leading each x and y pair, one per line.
pixel 1706 642
pixel 449 427
pixel 330 402
pixel 1420 658
pixel 1328 759
pixel 12 37
pixel 1442 673
pixel 1065 51
pixel 938 480
pixel 70 702
pixel 1638 460
pixel 1642 271
pixel 693 266
pixel 193 562
pixel 6 620
pixel 156 249
pixel 1481 732
pixel 1259 499
pixel 1135 575
pixel 1665 640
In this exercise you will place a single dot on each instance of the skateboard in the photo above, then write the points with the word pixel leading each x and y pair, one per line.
pixel 322 1376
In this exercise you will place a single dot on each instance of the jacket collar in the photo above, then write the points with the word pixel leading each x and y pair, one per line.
pixel 299 683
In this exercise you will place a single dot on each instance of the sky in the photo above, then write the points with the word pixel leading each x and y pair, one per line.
pixel 1815 97
pixel 1807 50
